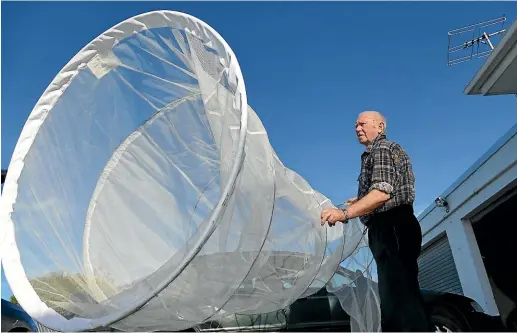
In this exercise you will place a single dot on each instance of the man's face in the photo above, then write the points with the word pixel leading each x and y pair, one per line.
pixel 367 128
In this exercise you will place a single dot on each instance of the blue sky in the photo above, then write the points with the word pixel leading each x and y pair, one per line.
pixel 309 69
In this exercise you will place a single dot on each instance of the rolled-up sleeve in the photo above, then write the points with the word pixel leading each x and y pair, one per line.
pixel 384 173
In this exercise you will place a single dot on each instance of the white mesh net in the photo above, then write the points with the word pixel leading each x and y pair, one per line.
pixel 144 194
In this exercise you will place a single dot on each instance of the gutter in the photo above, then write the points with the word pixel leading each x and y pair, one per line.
pixel 493 61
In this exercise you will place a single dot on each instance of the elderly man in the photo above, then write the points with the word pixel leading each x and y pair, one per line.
pixel 385 205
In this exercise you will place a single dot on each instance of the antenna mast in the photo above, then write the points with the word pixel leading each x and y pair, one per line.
pixel 480 43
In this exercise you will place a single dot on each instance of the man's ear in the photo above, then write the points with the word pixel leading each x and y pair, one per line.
pixel 382 126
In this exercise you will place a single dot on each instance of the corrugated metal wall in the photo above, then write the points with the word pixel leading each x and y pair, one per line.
pixel 437 269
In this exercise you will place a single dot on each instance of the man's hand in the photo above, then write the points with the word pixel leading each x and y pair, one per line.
pixel 332 215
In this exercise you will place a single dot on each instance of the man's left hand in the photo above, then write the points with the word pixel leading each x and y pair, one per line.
pixel 332 215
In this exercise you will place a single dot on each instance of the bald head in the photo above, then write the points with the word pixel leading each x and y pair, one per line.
pixel 369 125
pixel 376 116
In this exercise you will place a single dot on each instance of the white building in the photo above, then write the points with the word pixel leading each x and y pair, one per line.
pixel 470 247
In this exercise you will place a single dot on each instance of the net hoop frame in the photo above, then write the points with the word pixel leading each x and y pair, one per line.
pixel 13 268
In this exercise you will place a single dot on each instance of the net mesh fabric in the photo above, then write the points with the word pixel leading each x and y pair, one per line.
pixel 120 186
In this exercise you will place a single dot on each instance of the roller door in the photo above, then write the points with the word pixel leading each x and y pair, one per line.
pixel 437 269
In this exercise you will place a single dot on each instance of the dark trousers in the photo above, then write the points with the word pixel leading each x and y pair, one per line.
pixel 395 240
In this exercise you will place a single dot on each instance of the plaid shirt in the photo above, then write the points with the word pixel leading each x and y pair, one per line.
pixel 385 166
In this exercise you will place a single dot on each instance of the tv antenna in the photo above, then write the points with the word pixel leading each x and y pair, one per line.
pixel 480 43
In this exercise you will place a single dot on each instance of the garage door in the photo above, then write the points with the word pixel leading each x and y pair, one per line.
pixel 437 269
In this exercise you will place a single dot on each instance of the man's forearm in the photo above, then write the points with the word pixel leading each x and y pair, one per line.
pixel 373 200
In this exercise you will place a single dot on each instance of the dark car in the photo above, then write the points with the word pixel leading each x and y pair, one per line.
pixel 322 311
